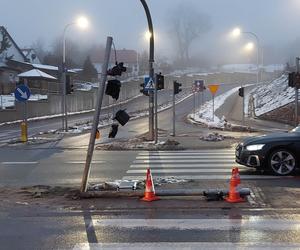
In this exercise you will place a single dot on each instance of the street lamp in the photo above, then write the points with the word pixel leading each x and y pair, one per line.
pixel 151 74
pixel 237 32
pixel 249 46
pixel 82 23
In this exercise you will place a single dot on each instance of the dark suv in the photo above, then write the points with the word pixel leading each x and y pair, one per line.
pixel 278 152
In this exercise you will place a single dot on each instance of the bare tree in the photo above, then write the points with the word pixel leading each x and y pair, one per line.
pixel 187 24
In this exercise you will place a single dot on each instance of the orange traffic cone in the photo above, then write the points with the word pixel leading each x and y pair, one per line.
pixel 149 189
pixel 234 195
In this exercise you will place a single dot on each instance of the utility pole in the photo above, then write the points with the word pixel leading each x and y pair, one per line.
pixel 151 70
pixel 296 93
pixel 173 110
pixel 101 90
pixel 243 106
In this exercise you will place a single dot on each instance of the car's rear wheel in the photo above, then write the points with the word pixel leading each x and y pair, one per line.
pixel 282 162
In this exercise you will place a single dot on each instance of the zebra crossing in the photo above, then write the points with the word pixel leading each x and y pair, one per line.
pixel 190 165
pixel 253 232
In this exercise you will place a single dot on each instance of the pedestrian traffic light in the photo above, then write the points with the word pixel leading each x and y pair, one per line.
pixel 241 92
pixel 113 131
pixel 113 88
pixel 142 90
pixel 117 70
pixel 291 82
pixel 177 88
pixel 160 81
pixel 69 85
pixel 122 117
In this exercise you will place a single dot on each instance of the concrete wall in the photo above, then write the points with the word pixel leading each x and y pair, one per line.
pixel 284 114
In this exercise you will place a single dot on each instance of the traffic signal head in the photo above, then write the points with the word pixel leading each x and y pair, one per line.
pixel 160 81
pixel 241 92
pixel 69 85
pixel 122 117
pixel 177 88
pixel 291 79
pixel 117 70
pixel 113 88
pixel 113 131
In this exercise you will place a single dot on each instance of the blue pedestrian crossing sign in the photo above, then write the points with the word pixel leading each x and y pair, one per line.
pixel 22 93
pixel 149 84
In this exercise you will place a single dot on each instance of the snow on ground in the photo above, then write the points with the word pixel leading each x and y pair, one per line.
pixel 205 114
pixel 272 95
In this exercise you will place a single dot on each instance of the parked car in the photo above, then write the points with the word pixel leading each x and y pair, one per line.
pixel 278 152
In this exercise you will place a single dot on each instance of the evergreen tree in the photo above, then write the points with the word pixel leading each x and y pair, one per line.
pixel 89 72
pixel 4 44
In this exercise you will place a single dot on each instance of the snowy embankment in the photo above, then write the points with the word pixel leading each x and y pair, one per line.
pixel 205 113
pixel 267 97
pixel 272 95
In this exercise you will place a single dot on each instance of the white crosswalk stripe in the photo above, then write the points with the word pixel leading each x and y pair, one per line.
pixel 262 233
pixel 193 165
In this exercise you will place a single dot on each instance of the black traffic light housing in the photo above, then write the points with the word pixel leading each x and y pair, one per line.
pixel 113 131
pixel 291 82
pixel 122 117
pixel 117 70
pixel 177 88
pixel 241 92
pixel 69 85
pixel 160 81
pixel 113 88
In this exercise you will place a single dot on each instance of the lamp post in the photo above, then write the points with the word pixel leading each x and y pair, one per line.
pixel 82 22
pixel 236 32
pixel 151 71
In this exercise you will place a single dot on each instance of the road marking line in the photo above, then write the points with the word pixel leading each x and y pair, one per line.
pixel 204 177
pixel 185 161
pixel 163 157
pixel 207 165
pixel 187 245
pixel 187 170
pixel 19 162
pixel 254 223
pixel 190 154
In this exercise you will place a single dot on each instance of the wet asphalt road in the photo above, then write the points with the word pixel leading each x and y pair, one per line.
pixel 150 229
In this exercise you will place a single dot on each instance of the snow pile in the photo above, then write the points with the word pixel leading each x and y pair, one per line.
pixel 205 116
pixel 7 101
pixel 273 95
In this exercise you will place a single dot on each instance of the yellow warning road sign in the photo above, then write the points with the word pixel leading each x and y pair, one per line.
pixel 213 88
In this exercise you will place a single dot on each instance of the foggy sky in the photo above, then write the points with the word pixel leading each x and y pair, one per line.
pixel 276 22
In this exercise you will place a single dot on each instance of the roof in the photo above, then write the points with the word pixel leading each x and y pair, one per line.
pixel 31 55
pixel 38 74
pixel 13 42
pixel 124 55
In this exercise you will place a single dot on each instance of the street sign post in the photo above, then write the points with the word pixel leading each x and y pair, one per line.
pixel 198 87
pixel 149 84
pixel 22 94
pixel 213 89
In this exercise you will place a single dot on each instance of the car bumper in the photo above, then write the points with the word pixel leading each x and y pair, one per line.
pixel 253 159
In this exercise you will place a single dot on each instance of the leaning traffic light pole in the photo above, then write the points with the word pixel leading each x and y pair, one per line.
pixel 151 71
pixel 101 89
